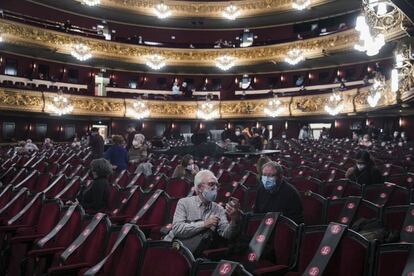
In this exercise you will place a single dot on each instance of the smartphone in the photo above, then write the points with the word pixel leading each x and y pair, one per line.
pixel 233 201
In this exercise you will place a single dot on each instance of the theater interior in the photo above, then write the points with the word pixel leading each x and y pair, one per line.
pixel 198 137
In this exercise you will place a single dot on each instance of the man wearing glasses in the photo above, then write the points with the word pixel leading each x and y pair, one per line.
pixel 198 213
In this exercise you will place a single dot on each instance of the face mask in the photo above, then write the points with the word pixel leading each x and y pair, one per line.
pixel 268 182
pixel 190 167
pixel 237 133
pixel 209 194
pixel 284 136
pixel 361 166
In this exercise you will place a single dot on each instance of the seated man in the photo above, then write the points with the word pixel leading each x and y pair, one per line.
pixel 196 214
pixel 364 172
pixel 276 195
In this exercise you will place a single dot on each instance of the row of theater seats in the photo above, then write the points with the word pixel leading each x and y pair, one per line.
pixel 27 189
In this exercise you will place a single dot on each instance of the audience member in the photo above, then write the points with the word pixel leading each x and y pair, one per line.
pixel 227 133
pixel 365 141
pixel 47 144
pixel 187 169
pixel 117 155
pixel 324 134
pixel 96 142
pixel 197 214
pixel 139 149
pixel 76 143
pixel 238 136
pixel 176 93
pixel 30 146
pixel 20 148
pixel 131 131
pixel 364 171
pixel 276 195
pixel 304 133
pixel 145 168
pixel 260 162
pixel 256 141
pixel 264 132
pixel 95 197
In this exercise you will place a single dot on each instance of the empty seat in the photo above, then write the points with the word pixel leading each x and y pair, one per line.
pixel 314 208
pixel 178 187
pixel 387 194
pixel 390 259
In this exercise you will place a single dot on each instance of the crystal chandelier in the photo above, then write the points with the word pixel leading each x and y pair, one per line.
pixel 225 62
pixel 139 109
pixel 91 3
pixel 81 52
pixel 162 11
pixel 231 12
pixel 379 17
pixel 376 91
pixel 155 62
pixel 274 107
pixel 60 105
pixel 294 56
pixel 300 4
pixel 334 104
pixel 208 110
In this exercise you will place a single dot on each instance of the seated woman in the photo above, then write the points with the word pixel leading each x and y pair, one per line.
pixel 138 150
pixel 117 154
pixel 95 197
pixel 186 169
pixel 364 171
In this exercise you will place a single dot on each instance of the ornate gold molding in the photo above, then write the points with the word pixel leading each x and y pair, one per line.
pixel 61 42
pixel 210 9
pixel 354 100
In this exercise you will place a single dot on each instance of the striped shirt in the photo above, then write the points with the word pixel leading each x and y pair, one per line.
pixel 190 215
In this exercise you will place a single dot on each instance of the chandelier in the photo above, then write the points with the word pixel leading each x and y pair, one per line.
pixel 300 4
pixel 274 107
pixel 376 90
pixel 60 105
pixel 225 62
pixel 334 104
pixel 208 110
pixel 91 3
pixel 379 17
pixel 81 52
pixel 294 56
pixel 162 11
pixel 139 109
pixel 231 12
pixel 155 62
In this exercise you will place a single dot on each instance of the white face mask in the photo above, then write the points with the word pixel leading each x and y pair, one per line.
pixel 238 133
pixel 190 167
pixel 284 136
pixel 361 166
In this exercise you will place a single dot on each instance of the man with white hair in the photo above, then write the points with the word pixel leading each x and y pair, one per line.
pixel 198 213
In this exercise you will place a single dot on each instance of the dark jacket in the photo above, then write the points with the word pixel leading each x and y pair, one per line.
pixel 96 143
pixel 95 197
pixel 369 175
pixel 130 138
pixel 284 198
pixel 117 156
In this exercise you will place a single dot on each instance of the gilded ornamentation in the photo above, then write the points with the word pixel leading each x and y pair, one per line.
pixel 212 9
pixel 22 101
pixel 62 42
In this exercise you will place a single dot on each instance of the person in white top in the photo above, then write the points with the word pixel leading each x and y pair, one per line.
pixel 30 146
pixel 176 90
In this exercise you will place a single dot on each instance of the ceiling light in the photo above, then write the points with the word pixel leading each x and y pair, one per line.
pixel 81 52
pixel 60 105
pixel 1 38
pixel 274 107
pixel 334 104
pixel 225 62
pixel 231 12
pixel 139 110
pixel 155 62
pixel 300 4
pixel 162 11
pixel 91 3
pixel 294 56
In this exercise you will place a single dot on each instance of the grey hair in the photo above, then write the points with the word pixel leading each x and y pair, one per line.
pixel 201 175
pixel 273 165
pixel 101 167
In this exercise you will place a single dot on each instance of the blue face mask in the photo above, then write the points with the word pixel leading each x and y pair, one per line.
pixel 269 182
pixel 210 195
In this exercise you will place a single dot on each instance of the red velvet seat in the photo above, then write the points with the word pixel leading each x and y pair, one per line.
pixel 122 179
pixel 308 183
pixel 129 205
pixel 178 187
pixel 206 268
pixel 390 259
pixel 393 217
pixel 365 209
pixel 28 182
pixel 176 259
pixel 71 190
pixel 345 186
pixel 314 208
pixel 250 180
pixel 399 195
pixel 86 250
pixel 18 200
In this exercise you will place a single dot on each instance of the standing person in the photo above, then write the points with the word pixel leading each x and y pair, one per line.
pixel 276 195
pixel 304 133
pixel 187 169
pixel 138 151
pixel 30 146
pixel 95 197
pixel 96 143
pixel 264 132
pixel 130 136
pixel 47 144
pixel 117 155
pixel 364 171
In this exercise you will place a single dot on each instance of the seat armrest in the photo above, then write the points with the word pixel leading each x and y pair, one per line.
pixel 67 269
pixel 24 239
pixel 45 251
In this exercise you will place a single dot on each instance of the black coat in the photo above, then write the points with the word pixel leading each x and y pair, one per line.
pixel 284 198
pixel 369 175
pixel 96 143
pixel 95 197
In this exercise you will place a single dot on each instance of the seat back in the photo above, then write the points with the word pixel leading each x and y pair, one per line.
pixel 177 260
pixel 393 217
pixel 308 183
pixel 390 259
pixel 156 214
pixel 314 208
pixel 286 233
pixel 365 209
pixel 71 190
pixel 178 187
pixel 377 192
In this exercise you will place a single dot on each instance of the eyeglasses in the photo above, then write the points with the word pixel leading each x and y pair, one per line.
pixel 211 184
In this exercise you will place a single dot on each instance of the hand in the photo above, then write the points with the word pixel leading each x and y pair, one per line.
pixel 211 221
pixel 233 211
